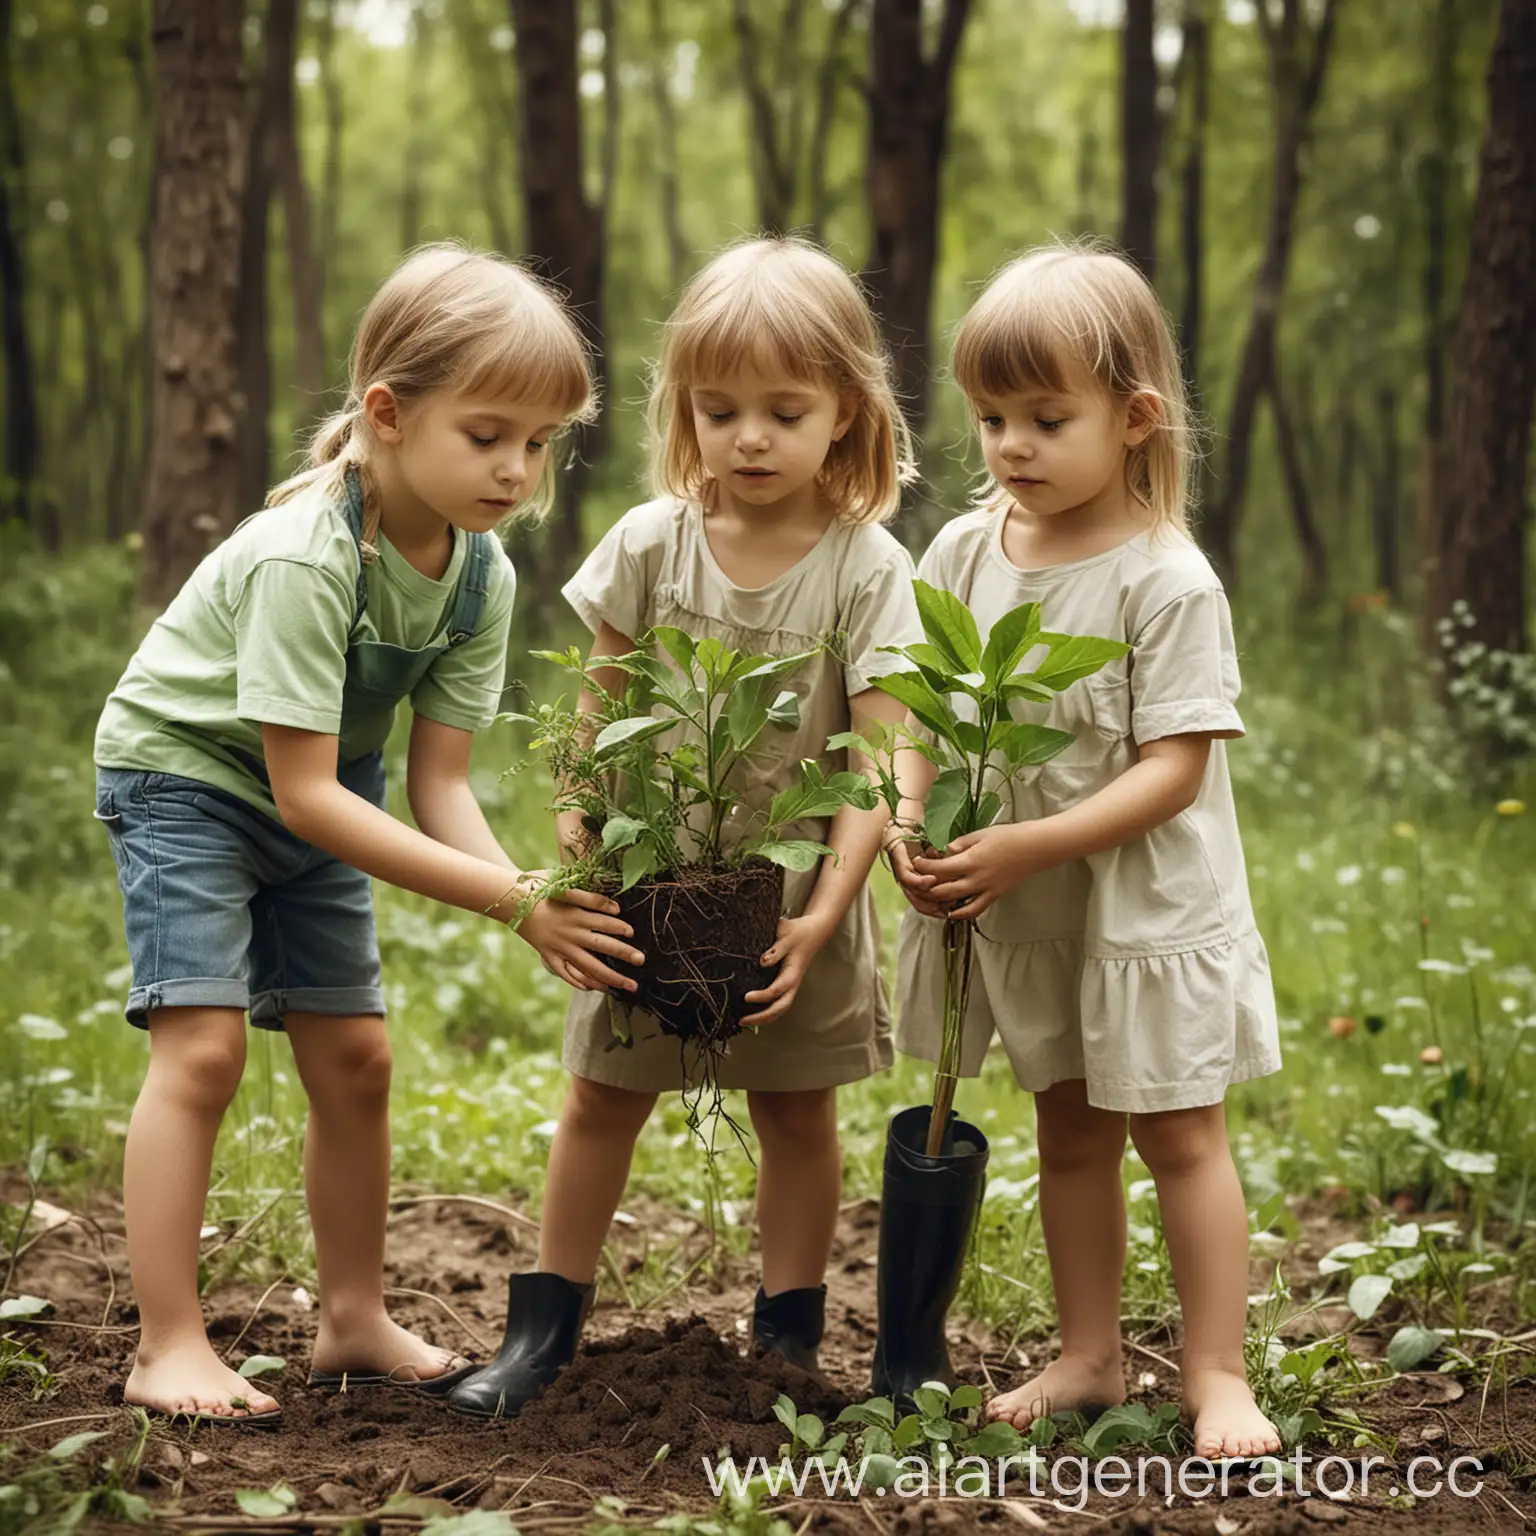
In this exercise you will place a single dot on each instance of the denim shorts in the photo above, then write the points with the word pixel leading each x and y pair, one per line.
pixel 226 908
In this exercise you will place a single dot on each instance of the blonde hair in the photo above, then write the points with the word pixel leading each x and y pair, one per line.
pixel 449 317
pixel 1083 304
pixel 781 300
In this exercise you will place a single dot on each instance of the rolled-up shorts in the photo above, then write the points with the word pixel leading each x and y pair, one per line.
pixel 226 908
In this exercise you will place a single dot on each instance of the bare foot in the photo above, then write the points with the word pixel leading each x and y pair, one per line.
pixel 1227 1420
pixel 1068 1382
pixel 189 1378
pixel 378 1346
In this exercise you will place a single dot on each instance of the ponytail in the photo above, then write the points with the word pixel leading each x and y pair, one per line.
pixel 333 447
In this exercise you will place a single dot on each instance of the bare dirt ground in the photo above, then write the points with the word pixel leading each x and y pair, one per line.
pixel 673 1375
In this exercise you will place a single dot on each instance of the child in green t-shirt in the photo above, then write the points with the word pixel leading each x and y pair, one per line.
pixel 240 778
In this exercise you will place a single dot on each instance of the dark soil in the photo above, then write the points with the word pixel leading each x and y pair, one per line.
pixel 675 1378
pixel 702 933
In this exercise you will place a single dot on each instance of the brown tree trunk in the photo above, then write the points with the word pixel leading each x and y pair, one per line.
pixel 252 313
pixel 1314 553
pixel 1480 510
pixel 1195 59
pixel 20 463
pixel 564 228
pixel 909 95
pixel 1298 60
pixel 190 487
pixel 667 157
pixel 1386 538
pixel 1434 190
pixel 330 176
pixel 288 172
pixel 1140 137
pixel 417 147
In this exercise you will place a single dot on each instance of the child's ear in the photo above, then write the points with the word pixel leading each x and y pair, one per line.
pixel 848 403
pixel 1143 415
pixel 382 412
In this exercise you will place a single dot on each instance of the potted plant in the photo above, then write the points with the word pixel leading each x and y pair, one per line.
pixel 962 695
pixel 696 866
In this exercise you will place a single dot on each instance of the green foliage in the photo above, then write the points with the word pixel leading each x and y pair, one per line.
pixel 656 773
pixel 966 745
pixel 982 738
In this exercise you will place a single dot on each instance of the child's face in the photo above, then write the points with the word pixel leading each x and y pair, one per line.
pixel 1059 450
pixel 471 459
pixel 764 434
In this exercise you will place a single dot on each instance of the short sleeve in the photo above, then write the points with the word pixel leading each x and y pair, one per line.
pixel 883 612
pixel 1183 668
pixel 292 621
pixel 616 581
pixel 463 686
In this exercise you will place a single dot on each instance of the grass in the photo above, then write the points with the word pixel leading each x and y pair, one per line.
pixel 1389 889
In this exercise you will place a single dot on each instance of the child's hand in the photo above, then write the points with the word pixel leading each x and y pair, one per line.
pixel 914 887
pixel 979 867
pixel 798 942
pixel 570 930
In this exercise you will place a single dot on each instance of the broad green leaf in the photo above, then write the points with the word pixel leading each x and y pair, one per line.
pixel 963 1397
pixel 908 1432
pixel 770 668
pixel 266 1503
pixel 793 853
pixel 260 1365
pixel 640 860
pixel 1074 657
pixel 986 809
pixel 623 733
pixel 809 1430
pixel 23 1306
pixel 746 714
pixel 1025 745
pixel 948 801
pixel 1367 1294
pixel 1412 1345
pixel 678 644
pixel 950 627
pixel 620 832
pixel 784 712
pixel 70 1444
pixel 931 708
pixel 881 1472
pixel 1021 686
pixel 931 1402
pixel 1011 637
pixel 784 1411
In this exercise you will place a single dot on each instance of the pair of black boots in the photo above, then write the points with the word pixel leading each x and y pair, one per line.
pixel 928 1207
pixel 545 1316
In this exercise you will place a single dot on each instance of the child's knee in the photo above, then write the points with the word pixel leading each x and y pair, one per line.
pixel 600 1109
pixel 1073 1136
pixel 201 1071
pixel 803 1120
pixel 1180 1141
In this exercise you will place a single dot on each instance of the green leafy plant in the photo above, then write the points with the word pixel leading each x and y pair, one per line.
pixel 697 863
pixel 656 773
pixel 979 749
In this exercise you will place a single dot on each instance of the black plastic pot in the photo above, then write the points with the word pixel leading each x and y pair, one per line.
pixel 928 1207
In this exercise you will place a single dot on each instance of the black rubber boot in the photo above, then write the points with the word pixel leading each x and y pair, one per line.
pixel 928 1206
pixel 790 1324
pixel 545 1316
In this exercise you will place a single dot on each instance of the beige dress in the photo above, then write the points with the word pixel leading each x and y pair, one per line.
pixel 655 567
pixel 1138 969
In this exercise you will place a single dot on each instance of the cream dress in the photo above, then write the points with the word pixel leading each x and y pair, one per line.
pixel 1139 969
pixel 655 567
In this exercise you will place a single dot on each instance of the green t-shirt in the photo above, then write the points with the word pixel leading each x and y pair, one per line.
pixel 258 635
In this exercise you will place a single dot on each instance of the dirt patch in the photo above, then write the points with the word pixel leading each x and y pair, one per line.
pixel 674 1376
